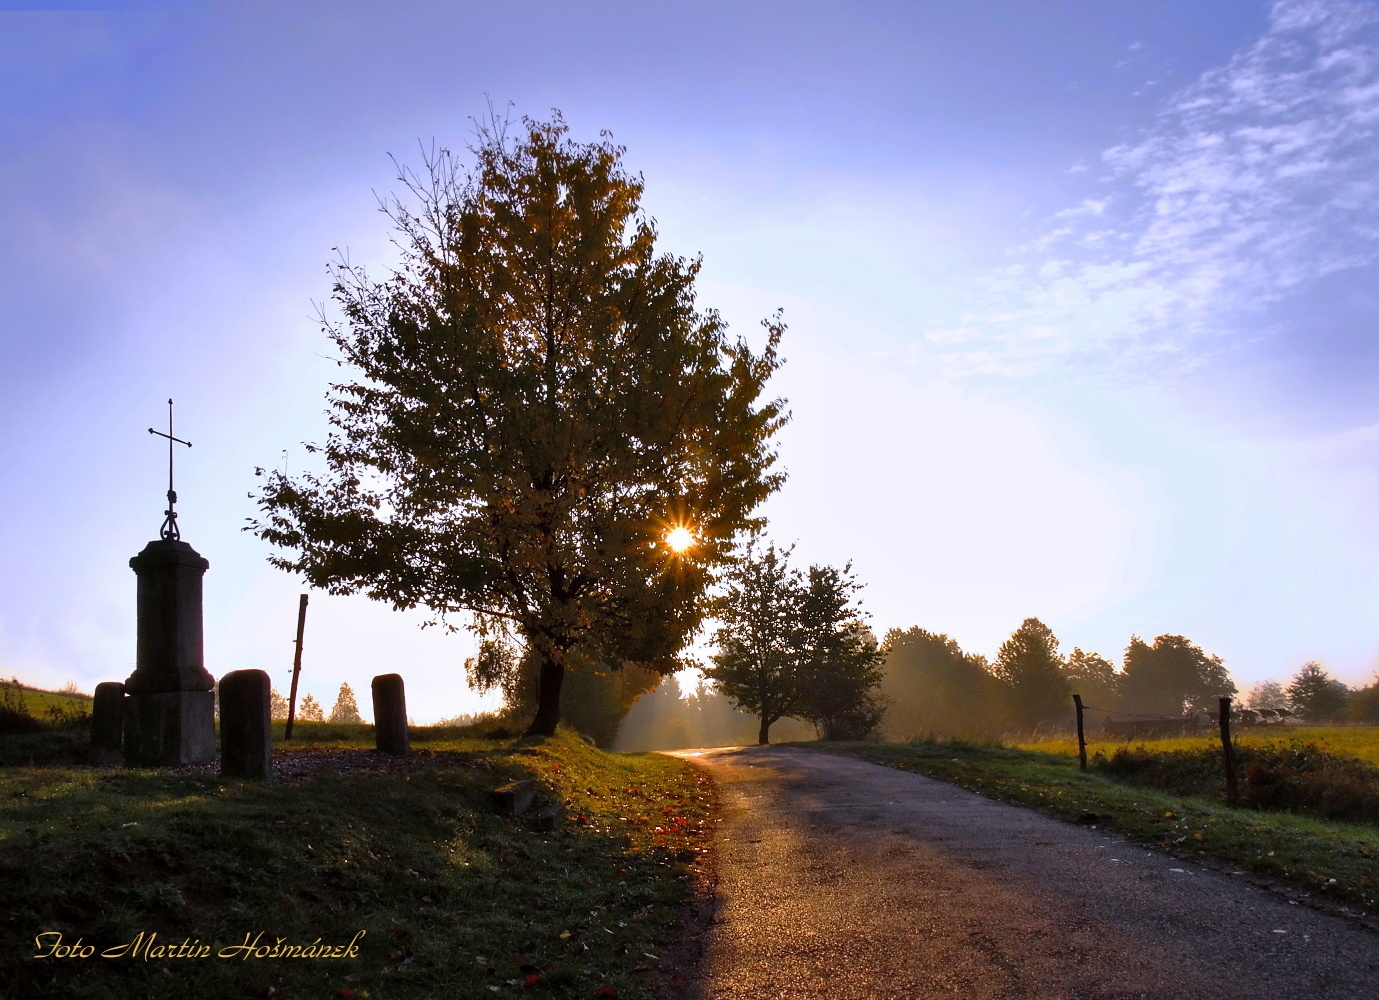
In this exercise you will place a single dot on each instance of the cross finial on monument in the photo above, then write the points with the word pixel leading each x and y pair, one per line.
pixel 169 529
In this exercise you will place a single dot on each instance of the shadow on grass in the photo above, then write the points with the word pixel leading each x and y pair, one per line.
pixel 450 896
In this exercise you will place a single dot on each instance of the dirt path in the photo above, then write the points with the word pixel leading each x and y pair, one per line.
pixel 842 879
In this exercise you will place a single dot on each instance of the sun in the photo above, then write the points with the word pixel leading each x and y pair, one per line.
pixel 679 539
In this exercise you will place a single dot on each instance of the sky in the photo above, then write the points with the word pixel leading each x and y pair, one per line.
pixel 1081 299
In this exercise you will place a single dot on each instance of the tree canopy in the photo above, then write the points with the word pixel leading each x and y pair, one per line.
pixel 932 686
pixel 537 401
pixel 1316 695
pixel 1171 676
pixel 1093 677
pixel 1030 669
pixel 844 668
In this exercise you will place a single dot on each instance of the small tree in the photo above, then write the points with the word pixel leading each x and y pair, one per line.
pixel 838 689
pixel 1316 695
pixel 346 709
pixel 1267 694
pixel 792 645
pixel 537 402
pixel 762 640
pixel 310 710
pixel 277 705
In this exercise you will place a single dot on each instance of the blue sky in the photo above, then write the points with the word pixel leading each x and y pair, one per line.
pixel 1081 296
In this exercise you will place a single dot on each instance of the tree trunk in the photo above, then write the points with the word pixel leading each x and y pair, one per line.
pixel 764 734
pixel 547 699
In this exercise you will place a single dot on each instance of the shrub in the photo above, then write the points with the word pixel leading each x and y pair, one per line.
pixel 14 712
pixel 1297 777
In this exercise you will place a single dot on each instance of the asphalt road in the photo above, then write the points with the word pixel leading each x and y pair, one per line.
pixel 841 879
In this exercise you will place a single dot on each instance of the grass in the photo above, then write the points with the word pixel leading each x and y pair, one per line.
pixel 44 704
pixel 1315 858
pixel 1357 742
pixel 452 898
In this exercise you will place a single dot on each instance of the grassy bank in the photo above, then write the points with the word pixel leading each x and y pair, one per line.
pixel 43 704
pixel 452 898
pixel 1314 858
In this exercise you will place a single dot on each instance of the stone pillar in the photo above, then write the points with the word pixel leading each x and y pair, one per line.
pixel 246 734
pixel 107 725
pixel 170 711
pixel 390 715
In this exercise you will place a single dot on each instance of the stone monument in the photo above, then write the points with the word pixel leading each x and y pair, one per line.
pixel 169 708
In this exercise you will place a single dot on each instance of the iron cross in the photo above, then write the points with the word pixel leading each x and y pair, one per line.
pixel 169 529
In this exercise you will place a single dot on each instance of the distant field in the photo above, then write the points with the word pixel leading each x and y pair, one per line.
pixel 1359 742
pixel 39 703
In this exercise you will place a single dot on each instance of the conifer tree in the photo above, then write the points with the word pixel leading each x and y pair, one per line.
pixel 346 709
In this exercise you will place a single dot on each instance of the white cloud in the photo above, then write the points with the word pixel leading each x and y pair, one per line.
pixel 1249 184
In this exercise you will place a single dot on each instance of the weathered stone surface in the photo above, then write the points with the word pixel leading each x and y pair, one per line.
pixel 515 797
pixel 170 654
pixel 246 732
pixel 548 817
pixel 107 725
pixel 169 728
pixel 169 711
pixel 390 715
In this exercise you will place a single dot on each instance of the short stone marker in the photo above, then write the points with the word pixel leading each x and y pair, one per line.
pixel 246 733
pixel 514 798
pixel 107 725
pixel 390 715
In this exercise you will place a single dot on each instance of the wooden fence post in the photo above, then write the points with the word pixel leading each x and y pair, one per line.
pixel 1081 737
pixel 1232 792
pixel 296 668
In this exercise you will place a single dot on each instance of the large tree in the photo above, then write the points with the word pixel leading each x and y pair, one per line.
pixel 537 402
pixel 1172 676
pixel 934 688
pixel 1031 671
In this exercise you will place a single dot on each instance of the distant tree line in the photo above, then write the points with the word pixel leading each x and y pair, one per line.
pixel 933 686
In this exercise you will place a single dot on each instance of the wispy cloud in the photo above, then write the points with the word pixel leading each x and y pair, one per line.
pixel 1254 181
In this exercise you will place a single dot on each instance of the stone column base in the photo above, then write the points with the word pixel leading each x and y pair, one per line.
pixel 169 728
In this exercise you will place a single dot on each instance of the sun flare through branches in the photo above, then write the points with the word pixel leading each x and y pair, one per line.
pixel 679 539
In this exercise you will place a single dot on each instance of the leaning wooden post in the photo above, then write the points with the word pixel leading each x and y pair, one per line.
pixel 296 668
pixel 1081 736
pixel 1232 792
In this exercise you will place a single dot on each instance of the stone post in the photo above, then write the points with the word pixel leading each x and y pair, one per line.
pixel 107 725
pixel 170 711
pixel 246 733
pixel 390 715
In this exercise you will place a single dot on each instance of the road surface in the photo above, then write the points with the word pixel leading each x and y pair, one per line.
pixel 841 879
